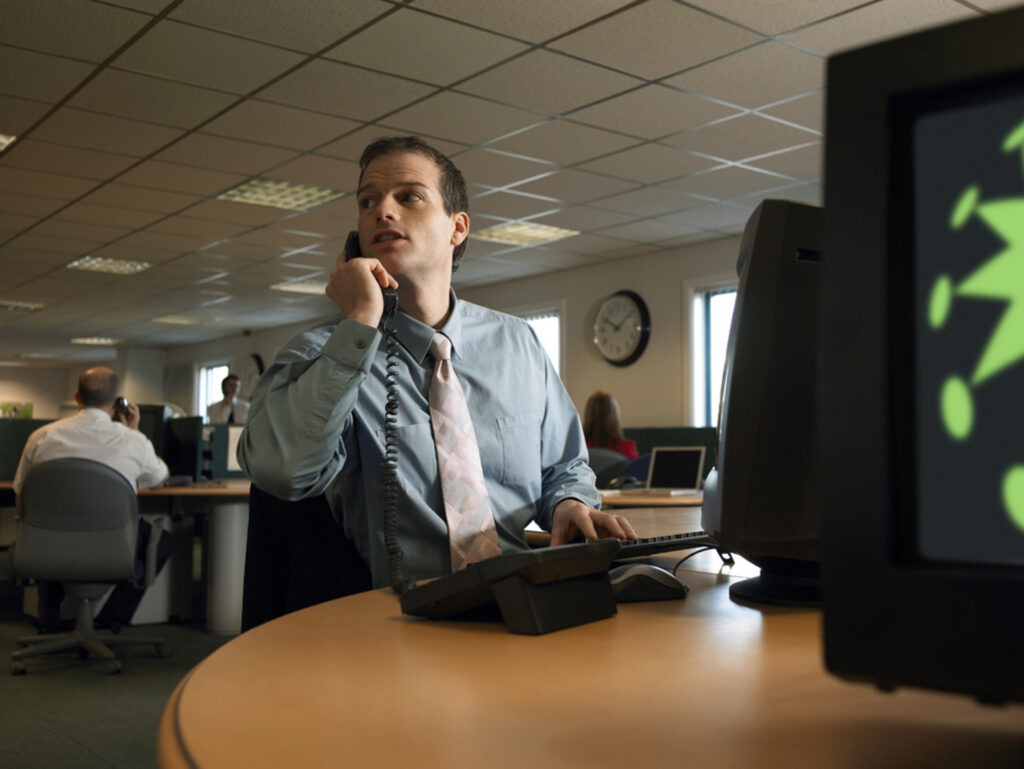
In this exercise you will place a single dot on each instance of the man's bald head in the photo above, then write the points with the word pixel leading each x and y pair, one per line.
pixel 97 387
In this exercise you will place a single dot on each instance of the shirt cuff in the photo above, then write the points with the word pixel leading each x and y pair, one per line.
pixel 353 344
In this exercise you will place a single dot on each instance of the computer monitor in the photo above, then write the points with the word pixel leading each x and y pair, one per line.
pixel 151 424
pixel 760 500
pixel 923 363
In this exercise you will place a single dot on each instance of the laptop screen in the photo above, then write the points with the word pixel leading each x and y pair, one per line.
pixel 676 468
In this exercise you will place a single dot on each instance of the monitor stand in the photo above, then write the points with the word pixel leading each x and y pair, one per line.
pixel 783 582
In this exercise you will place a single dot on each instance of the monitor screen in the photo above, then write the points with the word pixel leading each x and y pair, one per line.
pixel 677 467
pixel 922 361
pixel 968 326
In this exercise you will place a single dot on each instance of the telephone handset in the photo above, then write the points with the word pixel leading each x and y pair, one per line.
pixel 353 251
pixel 389 485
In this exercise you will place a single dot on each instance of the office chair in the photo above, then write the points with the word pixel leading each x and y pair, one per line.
pixel 77 524
pixel 607 464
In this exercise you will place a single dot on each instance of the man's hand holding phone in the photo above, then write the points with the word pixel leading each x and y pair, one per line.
pixel 356 285
pixel 126 413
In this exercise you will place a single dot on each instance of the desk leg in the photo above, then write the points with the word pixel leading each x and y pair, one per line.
pixel 228 525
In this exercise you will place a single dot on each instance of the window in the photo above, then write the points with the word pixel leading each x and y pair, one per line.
pixel 547 324
pixel 712 318
pixel 209 390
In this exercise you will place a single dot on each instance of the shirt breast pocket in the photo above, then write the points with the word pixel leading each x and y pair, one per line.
pixel 520 449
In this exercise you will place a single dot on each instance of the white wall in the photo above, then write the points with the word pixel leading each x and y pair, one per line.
pixel 653 392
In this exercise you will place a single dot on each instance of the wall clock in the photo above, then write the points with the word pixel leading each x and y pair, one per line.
pixel 622 328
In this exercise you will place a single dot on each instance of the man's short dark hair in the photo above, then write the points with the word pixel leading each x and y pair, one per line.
pixel 97 389
pixel 453 186
pixel 227 379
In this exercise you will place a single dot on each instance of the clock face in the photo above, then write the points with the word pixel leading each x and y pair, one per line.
pixel 622 327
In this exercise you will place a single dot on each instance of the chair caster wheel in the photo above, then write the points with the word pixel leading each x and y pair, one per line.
pixel 18 668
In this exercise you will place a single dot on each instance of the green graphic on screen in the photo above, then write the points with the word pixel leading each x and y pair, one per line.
pixel 998 278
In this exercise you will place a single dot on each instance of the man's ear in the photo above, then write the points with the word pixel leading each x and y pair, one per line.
pixel 461 231
pixel 78 399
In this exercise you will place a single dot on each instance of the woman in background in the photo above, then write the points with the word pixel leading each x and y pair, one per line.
pixel 602 426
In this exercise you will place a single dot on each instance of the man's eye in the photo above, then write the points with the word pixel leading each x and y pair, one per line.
pixel 413 196
pixel 365 202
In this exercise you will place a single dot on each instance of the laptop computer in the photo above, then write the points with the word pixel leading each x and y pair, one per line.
pixel 675 471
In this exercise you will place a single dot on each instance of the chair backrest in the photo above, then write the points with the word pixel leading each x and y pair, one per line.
pixel 606 464
pixel 77 522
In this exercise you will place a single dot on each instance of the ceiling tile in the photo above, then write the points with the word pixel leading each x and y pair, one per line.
pixel 742 137
pixel 307 26
pixel 175 178
pixel 533 20
pixel 574 186
pixel 127 94
pixel 12 224
pixel 773 18
pixel 77 128
pixel 137 253
pixel 656 38
pixel 759 75
pixel 351 147
pixel 568 83
pixel 318 226
pixel 649 163
pixel 648 201
pixel 802 193
pixel 69 248
pixel 583 218
pixel 105 215
pixel 414 45
pixel 652 111
pixel 725 183
pixel 805 163
pixel 712 216
pixel 563 142
pixel 43 184
pixel 18 115
pixel 240 213
pixel 55 228
pixel 70 161
pixel 127 196
pixel 18 202
pixel 199 228
pixel 461 118
pixel 649 230
pixel 296 129
pixel 89 31
pixel 338 89
pixel 214 60
pixel 240 157
pixel 276 238
pixel 320 172
pixel 807 111
pixel 507 205
pixel 163 241
pixel 877 21
pixel 38 76
pixel 494 169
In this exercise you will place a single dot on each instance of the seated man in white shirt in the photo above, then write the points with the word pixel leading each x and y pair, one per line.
pixel 102 434
pixel 231 410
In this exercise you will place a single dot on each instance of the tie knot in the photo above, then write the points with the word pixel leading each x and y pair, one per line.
pixel 441 347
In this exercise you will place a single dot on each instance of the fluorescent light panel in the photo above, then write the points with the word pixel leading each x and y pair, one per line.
pixel 103 264
pixel 103 341
pixel 278 194
pixel 14 304
pixel 524 233
pixel 179 320
pixel 302 286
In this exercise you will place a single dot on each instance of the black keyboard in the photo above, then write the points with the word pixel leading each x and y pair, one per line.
pixel 631 548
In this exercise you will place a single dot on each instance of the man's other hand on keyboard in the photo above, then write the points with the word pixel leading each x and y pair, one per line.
pixel 572 517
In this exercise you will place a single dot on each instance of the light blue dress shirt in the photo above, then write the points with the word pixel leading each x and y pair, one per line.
pixel 317 425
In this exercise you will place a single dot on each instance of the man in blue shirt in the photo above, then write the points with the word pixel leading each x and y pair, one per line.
pixel 317 418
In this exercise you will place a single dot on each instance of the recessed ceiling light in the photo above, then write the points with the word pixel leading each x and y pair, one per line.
pixel 14 304
pixel 6 141
pixel 103 264
pixel 12 363
pixel 524 233
pixel 36 355
pixel 104 341
pixel 302 286
pixel 278 194
pixel 179 320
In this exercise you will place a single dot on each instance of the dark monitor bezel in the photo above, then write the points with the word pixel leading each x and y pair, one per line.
pixel 890 617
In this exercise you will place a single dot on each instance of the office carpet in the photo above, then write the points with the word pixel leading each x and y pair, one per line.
pixel 69 714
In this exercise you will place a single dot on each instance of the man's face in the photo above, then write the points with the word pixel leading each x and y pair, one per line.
pixel 230 388
pixel 402 221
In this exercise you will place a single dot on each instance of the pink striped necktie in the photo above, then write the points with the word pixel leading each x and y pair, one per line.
pixel 471 531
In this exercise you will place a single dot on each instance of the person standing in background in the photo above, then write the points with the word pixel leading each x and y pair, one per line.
pixel 231 410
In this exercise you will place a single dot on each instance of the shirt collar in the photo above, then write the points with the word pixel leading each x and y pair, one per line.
pixel 416 336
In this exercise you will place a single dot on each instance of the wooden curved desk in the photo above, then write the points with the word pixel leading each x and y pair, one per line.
pixel 703 682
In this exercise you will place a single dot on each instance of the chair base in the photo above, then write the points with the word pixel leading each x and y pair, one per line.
pixel 87 644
